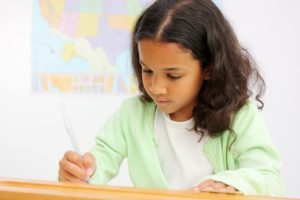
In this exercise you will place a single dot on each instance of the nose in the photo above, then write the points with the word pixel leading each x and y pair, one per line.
pixel 157 86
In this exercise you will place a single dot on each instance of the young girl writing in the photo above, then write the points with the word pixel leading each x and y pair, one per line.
pixel 193 125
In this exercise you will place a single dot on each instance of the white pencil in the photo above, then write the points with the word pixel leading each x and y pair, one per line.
pixel 68 126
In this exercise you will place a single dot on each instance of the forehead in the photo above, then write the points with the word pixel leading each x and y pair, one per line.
pixel 166 47
pixel 167 54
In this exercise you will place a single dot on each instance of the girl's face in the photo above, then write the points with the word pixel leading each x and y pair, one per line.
pixel 171 76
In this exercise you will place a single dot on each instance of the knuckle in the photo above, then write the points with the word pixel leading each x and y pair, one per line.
pixel 72 156
pixel 62 163
pixel 68 153
pixel 89 156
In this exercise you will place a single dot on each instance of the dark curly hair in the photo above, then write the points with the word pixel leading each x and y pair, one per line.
pixel 198 25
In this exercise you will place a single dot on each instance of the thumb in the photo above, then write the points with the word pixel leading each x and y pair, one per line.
pixel 89 163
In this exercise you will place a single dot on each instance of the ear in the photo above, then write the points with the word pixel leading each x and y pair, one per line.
pixel 206 74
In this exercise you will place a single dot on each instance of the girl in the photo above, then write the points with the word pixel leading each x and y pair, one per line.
pixel 193 125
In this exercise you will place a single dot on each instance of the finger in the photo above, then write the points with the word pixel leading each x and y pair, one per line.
pixel 218 185
pixel 206 184
pixel 230 189
pixel 219 188
pixel 89 163
pixel 73 169
pixel 67 177
pixel 73 157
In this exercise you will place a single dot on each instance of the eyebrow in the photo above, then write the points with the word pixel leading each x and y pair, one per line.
pixel 166 68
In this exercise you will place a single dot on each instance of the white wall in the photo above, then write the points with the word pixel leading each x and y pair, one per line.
pixel 271 30
pixel 32 135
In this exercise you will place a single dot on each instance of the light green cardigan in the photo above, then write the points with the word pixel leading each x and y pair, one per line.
pixel 252 165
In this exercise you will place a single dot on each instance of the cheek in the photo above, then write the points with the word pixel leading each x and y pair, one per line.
pixel 193 85
pixel 146 81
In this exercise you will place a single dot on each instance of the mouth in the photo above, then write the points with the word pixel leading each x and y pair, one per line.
pixel 161 102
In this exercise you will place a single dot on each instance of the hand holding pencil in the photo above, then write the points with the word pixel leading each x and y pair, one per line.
pixel 74 167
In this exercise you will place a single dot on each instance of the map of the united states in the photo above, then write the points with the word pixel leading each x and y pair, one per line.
pixel 82 46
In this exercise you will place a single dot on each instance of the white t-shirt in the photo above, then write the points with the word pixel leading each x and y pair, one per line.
pixel 180 153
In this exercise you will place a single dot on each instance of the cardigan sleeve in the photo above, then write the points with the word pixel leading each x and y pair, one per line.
pixel 256 163
pixel 110 148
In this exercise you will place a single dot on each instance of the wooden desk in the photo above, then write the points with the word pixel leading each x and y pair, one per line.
pixel 14 189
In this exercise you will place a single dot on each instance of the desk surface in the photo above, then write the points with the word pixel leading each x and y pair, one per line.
pixel 15 189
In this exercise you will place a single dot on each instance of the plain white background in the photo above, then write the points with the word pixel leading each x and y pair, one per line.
pixel 32 135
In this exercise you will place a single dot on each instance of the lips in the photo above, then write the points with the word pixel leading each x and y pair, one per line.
pixel 161 102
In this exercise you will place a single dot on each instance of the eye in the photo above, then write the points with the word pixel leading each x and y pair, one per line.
pixel 147 71
pixel 173 77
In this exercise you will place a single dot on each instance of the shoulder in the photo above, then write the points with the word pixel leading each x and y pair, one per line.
pixel 133 100
pixel 137 106
pixel 246 114
pixel 249 107
pixel 249 124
